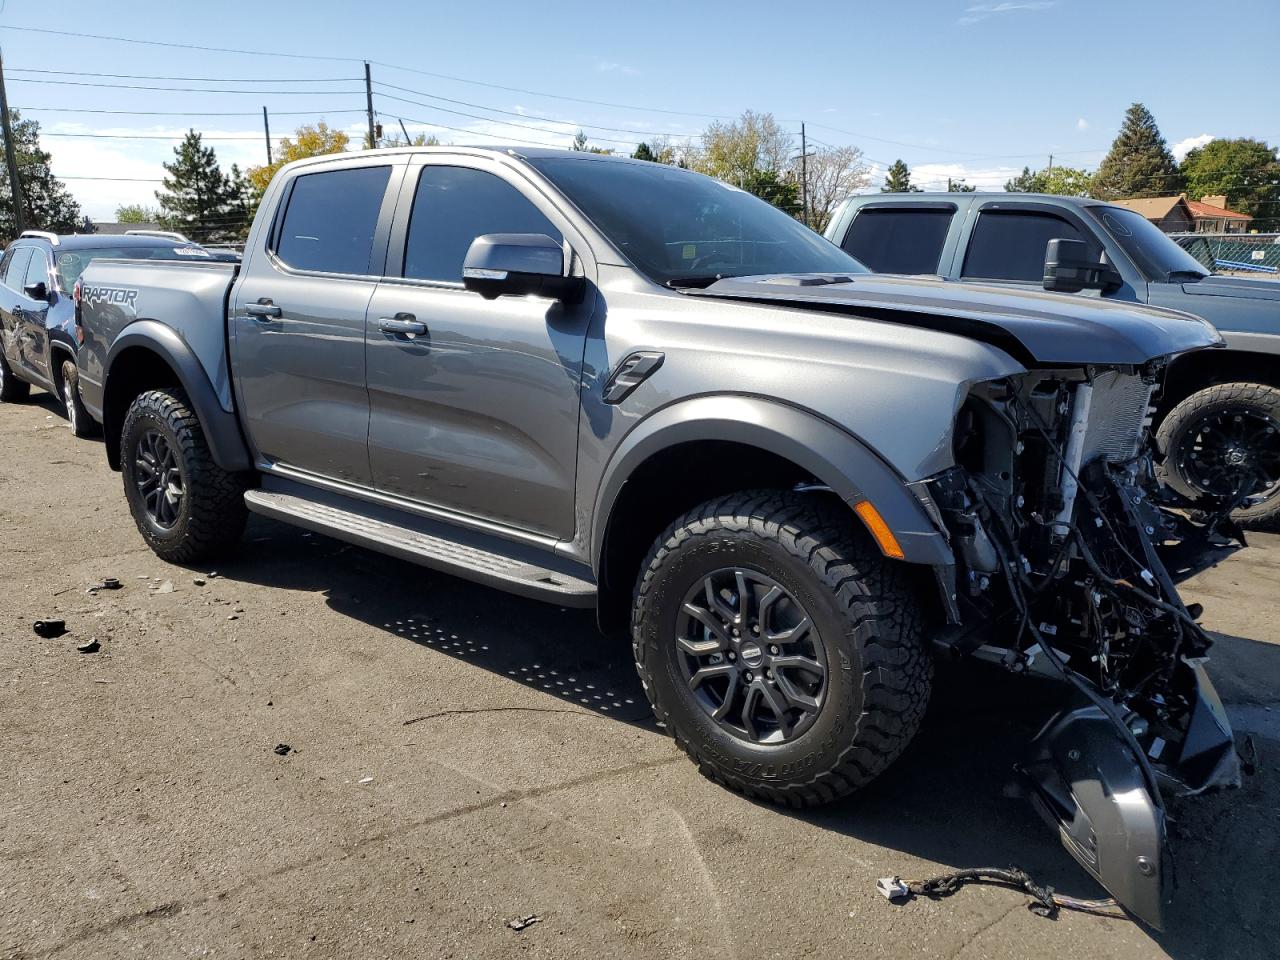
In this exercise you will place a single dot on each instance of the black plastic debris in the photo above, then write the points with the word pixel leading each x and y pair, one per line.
pixel 49 628
pixel 89 646
pixel 283 749
pixel 109 583
pixel 519 923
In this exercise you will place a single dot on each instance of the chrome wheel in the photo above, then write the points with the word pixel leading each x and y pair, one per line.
pixel 69 400
pixel 751 656
pixel 159 479
pixel 1229 448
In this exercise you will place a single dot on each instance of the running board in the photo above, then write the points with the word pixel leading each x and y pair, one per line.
pixel 447 549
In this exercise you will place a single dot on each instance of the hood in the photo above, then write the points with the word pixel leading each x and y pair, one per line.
pixel 1038 329
pixel 1246 288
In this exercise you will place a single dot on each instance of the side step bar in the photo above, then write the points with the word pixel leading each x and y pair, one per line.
pixel 447 549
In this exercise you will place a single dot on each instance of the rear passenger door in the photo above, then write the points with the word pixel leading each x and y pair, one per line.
pixel 901 238
pixel 1005 243
pixel 298 320
pixel 33 328
pixel 16 261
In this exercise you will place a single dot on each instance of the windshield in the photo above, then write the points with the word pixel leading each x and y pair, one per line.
pixel 1147 245
pixel 680 227
pixel 71 263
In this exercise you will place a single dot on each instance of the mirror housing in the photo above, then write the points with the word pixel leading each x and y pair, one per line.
pixel 36 291
pixel 519 264
pixel 1068 269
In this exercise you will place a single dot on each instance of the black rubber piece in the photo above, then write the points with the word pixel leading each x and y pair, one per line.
pixel 871 621
pixel 213 514
pixel 1222 396
pixel 12 390
pixel 82 424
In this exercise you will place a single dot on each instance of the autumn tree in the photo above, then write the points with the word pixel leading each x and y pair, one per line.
pixel 753 153
pixel 834 173
pixel 198 199
pixel 1139 163
pixel 46 202
pixel 1061 181
pixel 1245 171
pixel 898 179
pixel 311 140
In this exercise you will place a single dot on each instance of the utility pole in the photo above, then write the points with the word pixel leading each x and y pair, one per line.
pixel 407 141
pixel 15 187
pixel 368 97
pixel 266 130
pixel 804 176
pixel 1051 163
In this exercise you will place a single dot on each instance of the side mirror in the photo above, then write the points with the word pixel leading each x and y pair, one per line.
pixel 36 291
pixel 519 264
pixel 1068 269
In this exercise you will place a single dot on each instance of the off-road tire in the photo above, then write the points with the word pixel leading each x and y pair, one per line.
pixel 1192 410
pixel 872 624
pixel 82 424
pixel 212 514
pixel 12 390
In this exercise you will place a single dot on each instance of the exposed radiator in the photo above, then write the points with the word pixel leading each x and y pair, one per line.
pixel 1117 417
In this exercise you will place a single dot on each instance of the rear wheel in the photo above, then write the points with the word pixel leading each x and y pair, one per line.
pixel 781 650
pixel 82 425
pixel 186 507
pixel 1222 437
pixel 12 390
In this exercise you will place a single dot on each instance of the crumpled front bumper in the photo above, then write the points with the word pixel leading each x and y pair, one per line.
pixel 1100 788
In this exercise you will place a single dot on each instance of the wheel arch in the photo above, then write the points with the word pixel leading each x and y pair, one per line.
pixel 150 355
pixel 1205 368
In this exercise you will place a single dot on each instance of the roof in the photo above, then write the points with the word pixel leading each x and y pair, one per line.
pixel 1154 208
pixel 82 241
pixel 1208 211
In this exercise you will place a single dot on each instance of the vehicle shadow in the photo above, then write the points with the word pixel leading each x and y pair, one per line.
pixel 943 801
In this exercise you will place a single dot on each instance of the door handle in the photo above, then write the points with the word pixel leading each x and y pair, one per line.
pixel 264 309
pixel 403 324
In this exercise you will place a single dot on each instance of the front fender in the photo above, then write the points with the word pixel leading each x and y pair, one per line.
pixel 221 428
pixel 832 455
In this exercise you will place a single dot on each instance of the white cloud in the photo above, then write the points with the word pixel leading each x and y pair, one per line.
pixel 1183 147
pixel 982 11
pixel 613 66
pixel 1082 124
pixel 933 176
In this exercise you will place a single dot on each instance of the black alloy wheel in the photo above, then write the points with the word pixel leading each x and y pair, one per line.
pixel 158 477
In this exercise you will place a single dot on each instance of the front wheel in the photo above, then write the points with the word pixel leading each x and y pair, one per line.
pixel 186 507
pixel 781 650
pixel 1222 437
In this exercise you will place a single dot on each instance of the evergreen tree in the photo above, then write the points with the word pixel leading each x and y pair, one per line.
pixel 198 199
pixel 46 203
pixel 898 180
pixel 642 152
pixel 1139 163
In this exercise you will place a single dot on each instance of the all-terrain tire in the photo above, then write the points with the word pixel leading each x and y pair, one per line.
pixel 12 390
pixel 211 515
pixel 82 424
pixel 870 619
pixel 1187 416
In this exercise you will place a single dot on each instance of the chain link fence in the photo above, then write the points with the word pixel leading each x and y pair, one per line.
pixel 1244 254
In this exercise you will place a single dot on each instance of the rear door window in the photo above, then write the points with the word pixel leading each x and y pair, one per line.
pixel 453 206
pixel 899 240
pixel 1010 244
pixel 37 270
pixel 331 219
pixel 17 268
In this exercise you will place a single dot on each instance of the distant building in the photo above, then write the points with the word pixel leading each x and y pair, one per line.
pixel 1180 215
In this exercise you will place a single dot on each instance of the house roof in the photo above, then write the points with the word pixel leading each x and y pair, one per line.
pixel 1155 208
pixel 1207 211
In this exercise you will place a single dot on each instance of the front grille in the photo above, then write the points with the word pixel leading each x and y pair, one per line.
pixel 1117 417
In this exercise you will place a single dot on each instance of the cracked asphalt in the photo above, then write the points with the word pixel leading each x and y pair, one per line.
pixel 460 759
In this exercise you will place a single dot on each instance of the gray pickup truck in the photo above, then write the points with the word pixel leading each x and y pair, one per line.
pixel 605 382
pixel 1217 418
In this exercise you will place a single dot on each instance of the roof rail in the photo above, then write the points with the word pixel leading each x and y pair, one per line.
pixel 43 235
pixel 162 234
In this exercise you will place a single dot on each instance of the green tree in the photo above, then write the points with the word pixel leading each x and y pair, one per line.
pixel 1139 163
pixel 1062 181
pixel 642 152
pixel 581 145
pixel 46 203
pixel 198 199
pixel 752 152
pixel 898 179
pixel 1245 171
pixel 310 140
pixel 136 213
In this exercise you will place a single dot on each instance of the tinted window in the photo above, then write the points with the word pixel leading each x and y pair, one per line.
pixel 677 226
pixel 71 263
pixel 17 268
pixel 1008 245
pixel 899 241
pixel 37 270
pixel 1157 255
pixel 452 207
pixel 331 218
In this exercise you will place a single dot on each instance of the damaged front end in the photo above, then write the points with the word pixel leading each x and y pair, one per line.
pixel 1059 572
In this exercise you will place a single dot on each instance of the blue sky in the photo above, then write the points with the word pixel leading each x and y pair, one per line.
pixel 955 87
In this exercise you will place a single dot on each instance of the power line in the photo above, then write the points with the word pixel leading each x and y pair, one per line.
pixel 137 86
pixel 476 133
pixel 186 113
pixel 144 76
pixel 256 138
pixel 275 54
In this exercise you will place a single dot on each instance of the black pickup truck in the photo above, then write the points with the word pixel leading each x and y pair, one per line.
pixel 1217 417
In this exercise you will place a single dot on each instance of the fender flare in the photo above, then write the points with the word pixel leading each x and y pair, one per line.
pixel 221 427
pixel 832 455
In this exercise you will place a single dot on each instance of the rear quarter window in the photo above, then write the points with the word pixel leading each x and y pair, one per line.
pixel 899 241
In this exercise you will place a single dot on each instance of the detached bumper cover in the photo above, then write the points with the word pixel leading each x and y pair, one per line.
pixel 1093 782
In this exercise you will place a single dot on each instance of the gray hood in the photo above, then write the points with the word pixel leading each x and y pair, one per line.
pixel 1038 329
pixel 1248 288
